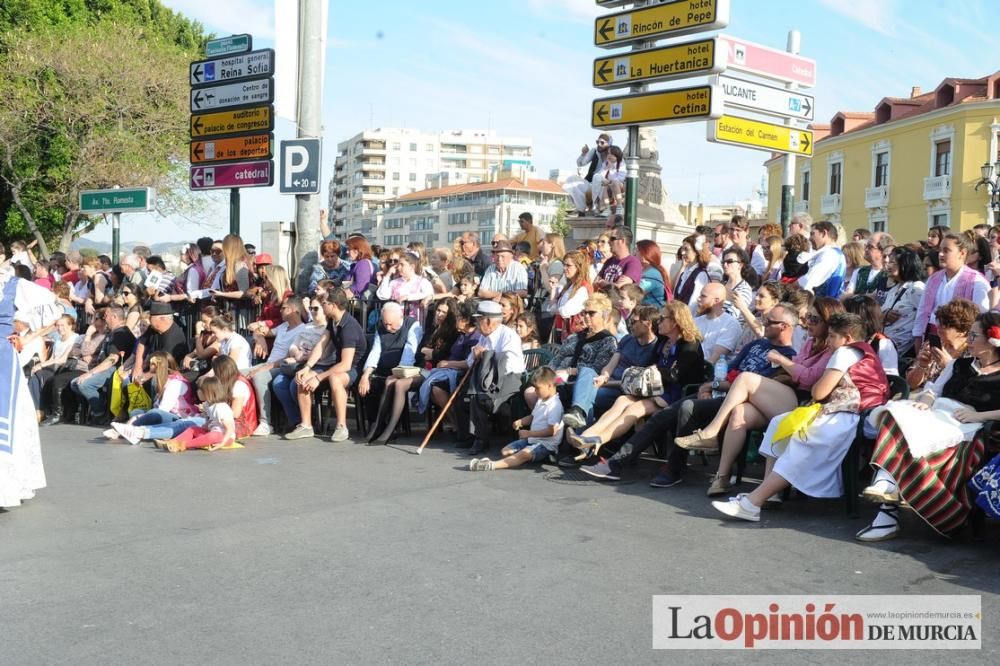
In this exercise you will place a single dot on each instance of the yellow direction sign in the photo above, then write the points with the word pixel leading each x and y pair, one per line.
pixel 253 146
pixel 678 61
pixel 680 17
pixel 237 121
pixel 657 108
pixel 760 135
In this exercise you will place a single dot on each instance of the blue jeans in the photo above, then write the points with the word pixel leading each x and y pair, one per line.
pixel 174 428
pixel 155 417
pixel 589 398
pixel 539 452
pixel 285 390
pixel 91 389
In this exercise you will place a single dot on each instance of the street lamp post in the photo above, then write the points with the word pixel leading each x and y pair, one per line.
pixel 991 179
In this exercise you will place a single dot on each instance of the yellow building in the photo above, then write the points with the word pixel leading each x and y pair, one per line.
pixel 912 163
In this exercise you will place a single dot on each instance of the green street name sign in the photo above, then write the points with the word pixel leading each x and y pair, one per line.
pixel 226 45
pixel 120 200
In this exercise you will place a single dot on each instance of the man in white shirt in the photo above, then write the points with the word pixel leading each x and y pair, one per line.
pixel 285 335
pixel 496 365
pixel 827 267
pixel 720 331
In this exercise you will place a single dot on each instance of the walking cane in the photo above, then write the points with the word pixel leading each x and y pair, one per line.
pixel 447 406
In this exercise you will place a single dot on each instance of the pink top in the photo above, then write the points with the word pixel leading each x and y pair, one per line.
pixel 178 397
pixel 809 367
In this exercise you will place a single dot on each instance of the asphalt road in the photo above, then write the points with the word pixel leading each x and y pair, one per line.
pixel 312 552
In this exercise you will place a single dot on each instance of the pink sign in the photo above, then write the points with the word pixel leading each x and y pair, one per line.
pixel 771 63
pixel 259 173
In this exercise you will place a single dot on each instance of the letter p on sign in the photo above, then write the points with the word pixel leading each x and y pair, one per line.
pixel 300 160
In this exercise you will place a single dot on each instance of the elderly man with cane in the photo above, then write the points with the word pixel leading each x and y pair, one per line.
pixel 496 363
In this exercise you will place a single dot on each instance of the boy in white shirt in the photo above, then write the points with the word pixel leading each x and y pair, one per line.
pixel 543 439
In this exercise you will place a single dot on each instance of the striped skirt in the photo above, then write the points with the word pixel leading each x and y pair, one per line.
pixel 934 486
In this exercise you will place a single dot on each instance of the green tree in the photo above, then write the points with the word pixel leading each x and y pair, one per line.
pixel 93 93
pixel 559 224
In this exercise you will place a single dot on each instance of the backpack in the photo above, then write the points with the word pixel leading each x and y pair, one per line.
pixel 179 285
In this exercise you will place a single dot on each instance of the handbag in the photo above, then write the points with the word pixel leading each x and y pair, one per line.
pixel 642 382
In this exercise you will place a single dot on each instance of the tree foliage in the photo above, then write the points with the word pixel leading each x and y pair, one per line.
pixel 93 94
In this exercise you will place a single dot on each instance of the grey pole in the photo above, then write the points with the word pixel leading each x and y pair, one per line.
pixel 788 180
pixel 310 108
pixel 632 157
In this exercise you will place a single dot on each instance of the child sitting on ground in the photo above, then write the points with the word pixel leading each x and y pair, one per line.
pixel 220 424
pixel 546 420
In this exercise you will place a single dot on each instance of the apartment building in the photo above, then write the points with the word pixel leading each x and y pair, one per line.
pixel 438 216
pixel 911 163
pixel 382 164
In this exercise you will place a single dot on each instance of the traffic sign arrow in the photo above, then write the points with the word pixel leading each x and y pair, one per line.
pixel 197 176
pixel 606 29
pixel 804 140
pixel 807 107
pixel 602 113
pixel 197 73
pixel 197 125
pixel 197 99
pixel 604 69
pixel 197 150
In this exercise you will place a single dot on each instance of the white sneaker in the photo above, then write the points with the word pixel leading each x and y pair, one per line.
pixel 340 434
pixel 132 433
pixel 111 434
pixel 481 465
pixel 263 430
pixel 739 507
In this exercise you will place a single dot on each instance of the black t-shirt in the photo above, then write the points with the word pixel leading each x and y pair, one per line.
pixel 120 342
pixel 349 335
pixel 481 262
pixel 173 341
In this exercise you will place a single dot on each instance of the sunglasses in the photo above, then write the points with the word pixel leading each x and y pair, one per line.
pixel 314 308
pixel 732 261
pixel 391 262
pixel 612 238
pixel 214 251
pixel 591 313
pixel 813 319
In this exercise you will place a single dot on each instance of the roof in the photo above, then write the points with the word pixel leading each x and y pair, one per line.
pixel 533 185
pixel 970 91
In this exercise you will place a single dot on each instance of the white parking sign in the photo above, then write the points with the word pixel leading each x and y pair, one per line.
pixel 300 160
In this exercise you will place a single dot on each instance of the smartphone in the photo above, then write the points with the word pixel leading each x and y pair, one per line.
pixel 935 342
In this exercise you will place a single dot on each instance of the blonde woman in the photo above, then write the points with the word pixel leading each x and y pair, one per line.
pixel 276 290
pixel 233 281
pixel 681 361
pixel 854 255
pixel 774 253
pixel 551 251
pixel 567 302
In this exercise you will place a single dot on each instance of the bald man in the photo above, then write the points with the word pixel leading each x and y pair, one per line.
pixel 721 331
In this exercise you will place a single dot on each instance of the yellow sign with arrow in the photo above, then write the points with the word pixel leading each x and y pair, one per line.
pixel 677 61
pixel 657 108
pixel 680 17
pixel 757 134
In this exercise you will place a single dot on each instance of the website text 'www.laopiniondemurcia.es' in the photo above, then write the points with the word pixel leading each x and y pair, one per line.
pixel 828 622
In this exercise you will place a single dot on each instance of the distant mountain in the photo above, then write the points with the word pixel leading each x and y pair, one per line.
pixel 101 247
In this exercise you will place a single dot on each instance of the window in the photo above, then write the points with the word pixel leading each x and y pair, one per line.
pixel 394 224
pixel 939 219
pixel 395 239
pixel 806 178
pixel 413 162
pixel 413 177
pixel 881 169
pixel 395 175
pixel 486 238
pixel 429 147
pixel 835 177
pixel 396 146
pixel 942 158
pixel 413 147
pixel 454 235
pixel 459 218
pixel 395 191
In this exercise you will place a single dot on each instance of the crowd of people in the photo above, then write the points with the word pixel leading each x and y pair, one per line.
pixel 587 356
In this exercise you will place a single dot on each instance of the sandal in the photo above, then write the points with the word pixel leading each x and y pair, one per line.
pixel 874 534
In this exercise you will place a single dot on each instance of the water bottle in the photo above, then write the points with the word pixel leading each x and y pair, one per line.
pixel 719 375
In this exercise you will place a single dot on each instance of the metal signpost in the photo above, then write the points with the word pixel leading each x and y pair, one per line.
pixel 232 115
pixel 640 27
pixel 117 201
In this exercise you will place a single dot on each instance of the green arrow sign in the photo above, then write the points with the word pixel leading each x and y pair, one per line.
pixel 119 200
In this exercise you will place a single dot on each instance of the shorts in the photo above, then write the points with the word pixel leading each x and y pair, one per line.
pixel 539 452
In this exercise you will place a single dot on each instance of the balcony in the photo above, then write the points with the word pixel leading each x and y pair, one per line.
pixel 373 166
pixel 801 207
pixel 829 204
pixel 937 187
pixel 877 197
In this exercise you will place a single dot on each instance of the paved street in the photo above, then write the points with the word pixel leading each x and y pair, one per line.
pixel 311 552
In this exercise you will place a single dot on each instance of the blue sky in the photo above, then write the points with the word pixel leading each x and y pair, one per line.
pixel 523 68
